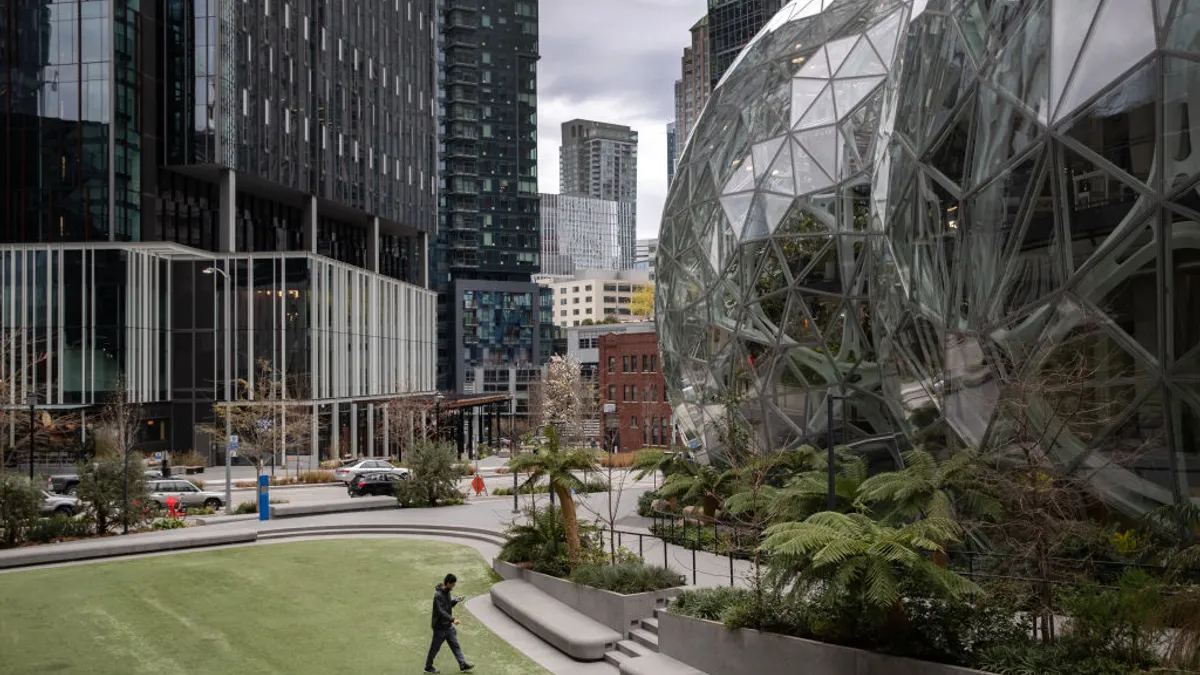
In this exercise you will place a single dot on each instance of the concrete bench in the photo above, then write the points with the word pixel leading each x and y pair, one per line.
pixel 113 547
pixel 657 664
pixel 572 633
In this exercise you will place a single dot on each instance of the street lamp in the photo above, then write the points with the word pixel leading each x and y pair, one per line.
pixel 228 389
pixel 31 401
pixel 512 445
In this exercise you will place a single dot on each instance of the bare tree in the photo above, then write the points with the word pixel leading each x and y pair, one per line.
pixel 15 371
pixel 264 416
pixel 404 422
pixel 570 399
pixel 1056 408
pixel 120 422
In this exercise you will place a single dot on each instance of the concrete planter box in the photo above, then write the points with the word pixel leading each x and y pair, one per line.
pixel 710 647
pixel 619 612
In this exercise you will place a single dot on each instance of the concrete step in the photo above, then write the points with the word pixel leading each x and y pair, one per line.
pixel 650 625
pixel 616 657
pixel 657 664
pixel 633 649
pixel 645 638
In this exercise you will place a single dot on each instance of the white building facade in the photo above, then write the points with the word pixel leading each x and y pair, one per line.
pixel 585 233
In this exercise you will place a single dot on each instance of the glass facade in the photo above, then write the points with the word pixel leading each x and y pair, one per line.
pixel 731 25
pixel 582 233
pixel 959 223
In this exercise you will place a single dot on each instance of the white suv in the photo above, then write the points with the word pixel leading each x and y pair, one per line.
pixel 188 494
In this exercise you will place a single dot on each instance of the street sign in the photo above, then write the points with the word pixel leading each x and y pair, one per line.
pixel 158 456
pixel 233 441
pixel 233 452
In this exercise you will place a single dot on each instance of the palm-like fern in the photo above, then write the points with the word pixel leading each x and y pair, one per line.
pixel 650 461
pixel 851 553
pixel 557 465
pixel 808 492
pixel 927 488
pixel 699 484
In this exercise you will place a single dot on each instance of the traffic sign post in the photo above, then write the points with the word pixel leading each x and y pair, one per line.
pixel 231 447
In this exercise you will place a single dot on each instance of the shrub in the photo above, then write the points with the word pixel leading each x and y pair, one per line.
pixel 56 528
pixel 627 578
pixel 1119 622
pixel 708 603
pixel 541 542
pixel 189 458
pixel 593 485
pixel 20 502
pixel 246 508
pixel 645 503
pixel 102 488
pixel 304 478
pixel 433 480
pixel 617 460
pixel 167 524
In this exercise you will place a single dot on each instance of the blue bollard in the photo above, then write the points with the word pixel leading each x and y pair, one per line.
pixel 264 497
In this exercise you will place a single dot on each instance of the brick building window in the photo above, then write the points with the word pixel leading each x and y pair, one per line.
pixel 654 363
pixel 625 364
pixel 612 364
pixel 624 392
pixel 633 422
pixel 612 392
pixel 645 363
pixel 634 391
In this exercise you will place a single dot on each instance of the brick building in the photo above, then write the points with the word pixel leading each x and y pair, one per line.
pixel 631 381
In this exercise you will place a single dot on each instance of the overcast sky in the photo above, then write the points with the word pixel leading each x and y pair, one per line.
pixel 613 61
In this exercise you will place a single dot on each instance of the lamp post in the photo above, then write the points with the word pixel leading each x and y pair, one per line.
pixel 512 445
pixel 31 401
pixel 437 416
pixel 228 388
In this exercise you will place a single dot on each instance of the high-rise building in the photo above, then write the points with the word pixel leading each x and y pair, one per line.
pixel 694 86
pixel 644 259
pixel 672 153
pixel 490 327
pixel 731 25
pixel 584 233
pixel 599 160
pixel 289 152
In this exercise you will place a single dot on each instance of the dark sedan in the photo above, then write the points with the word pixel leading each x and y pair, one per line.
pixel 380 484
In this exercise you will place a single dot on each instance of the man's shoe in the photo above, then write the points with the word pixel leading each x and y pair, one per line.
pixel 466 666
pixel 432 670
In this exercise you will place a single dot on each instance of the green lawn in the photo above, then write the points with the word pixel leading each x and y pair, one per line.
pixel 343 606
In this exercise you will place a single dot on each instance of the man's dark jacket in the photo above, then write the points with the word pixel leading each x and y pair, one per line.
pixel 443 608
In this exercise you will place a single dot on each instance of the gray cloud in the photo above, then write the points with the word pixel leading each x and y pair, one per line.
pixel 613 61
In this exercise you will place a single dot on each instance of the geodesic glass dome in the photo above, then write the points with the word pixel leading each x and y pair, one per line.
pixel 909 206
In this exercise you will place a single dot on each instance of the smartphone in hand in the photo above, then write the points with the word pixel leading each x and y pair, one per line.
pixel 460 598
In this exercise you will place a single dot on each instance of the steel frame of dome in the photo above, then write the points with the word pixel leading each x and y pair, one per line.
pixel 906 205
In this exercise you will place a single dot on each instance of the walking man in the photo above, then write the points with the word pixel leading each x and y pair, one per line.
pixel 444 623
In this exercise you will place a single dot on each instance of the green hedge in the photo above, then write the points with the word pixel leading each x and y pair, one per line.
pixel 627 578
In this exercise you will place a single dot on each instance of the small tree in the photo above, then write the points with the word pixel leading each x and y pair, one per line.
pixel 20 502
pixel 403 422
pixel 433 477
pixel 263 417
pixel 570 398
pixel 642 302
pixel 111 500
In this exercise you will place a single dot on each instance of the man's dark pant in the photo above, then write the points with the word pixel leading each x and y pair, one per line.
pixel 450 637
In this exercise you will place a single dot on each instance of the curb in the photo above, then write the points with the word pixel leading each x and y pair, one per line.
pixel 55 554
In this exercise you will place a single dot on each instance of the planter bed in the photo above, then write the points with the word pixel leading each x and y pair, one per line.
pixel 712 648
pixel 619 612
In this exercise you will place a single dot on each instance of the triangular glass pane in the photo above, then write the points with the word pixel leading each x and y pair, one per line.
pixel 949 154
pixel 742 178
pixel 736 207
pixel 1097 202
pixel 1122 35
pixel 804 255
pixel 758 225
pixel 816 66
pixel 1023 67
pixel 1184 32
pixel 1071 22
pixel 862 61
pixel 822 144
pixel 1127 112
pixel 849 93
pixel 1125 295
pixel 804 92
pixel 1002 132
pixel 764 154
pixel 809 175
pixel 838 50
pixel 778 177
pixel 1164 11
pixel 776 208
pixel 883 37
pixel 1181 123
pixel 820 112
pixel 1034 268
pixel 860 131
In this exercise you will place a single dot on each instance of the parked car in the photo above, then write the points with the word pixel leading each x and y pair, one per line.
pixel 59 505
pixel 349 472
pixel 188 494
pixel 380 484
pixel 68 483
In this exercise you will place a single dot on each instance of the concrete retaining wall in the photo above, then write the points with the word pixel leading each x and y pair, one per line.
pixel 710 647
pixel 619 612
pixel 112 547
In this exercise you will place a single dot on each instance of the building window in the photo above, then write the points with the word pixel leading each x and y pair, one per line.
pixel 654 363
pixel 587 288
pixel 563 301
pixel 575 300
pixel 575 290
pixel 635 393
pixel 575 312
pixel 633 422
pixel 653 431
pixel 646 434
pixel 625 364
pixel 612 393
pixel 612 364
pixel 645 363
pixel 624 393
pixel 583 343
pixel 666 431
pixel 563 313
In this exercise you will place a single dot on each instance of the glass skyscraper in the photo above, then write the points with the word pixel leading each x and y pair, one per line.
pixel 290 144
